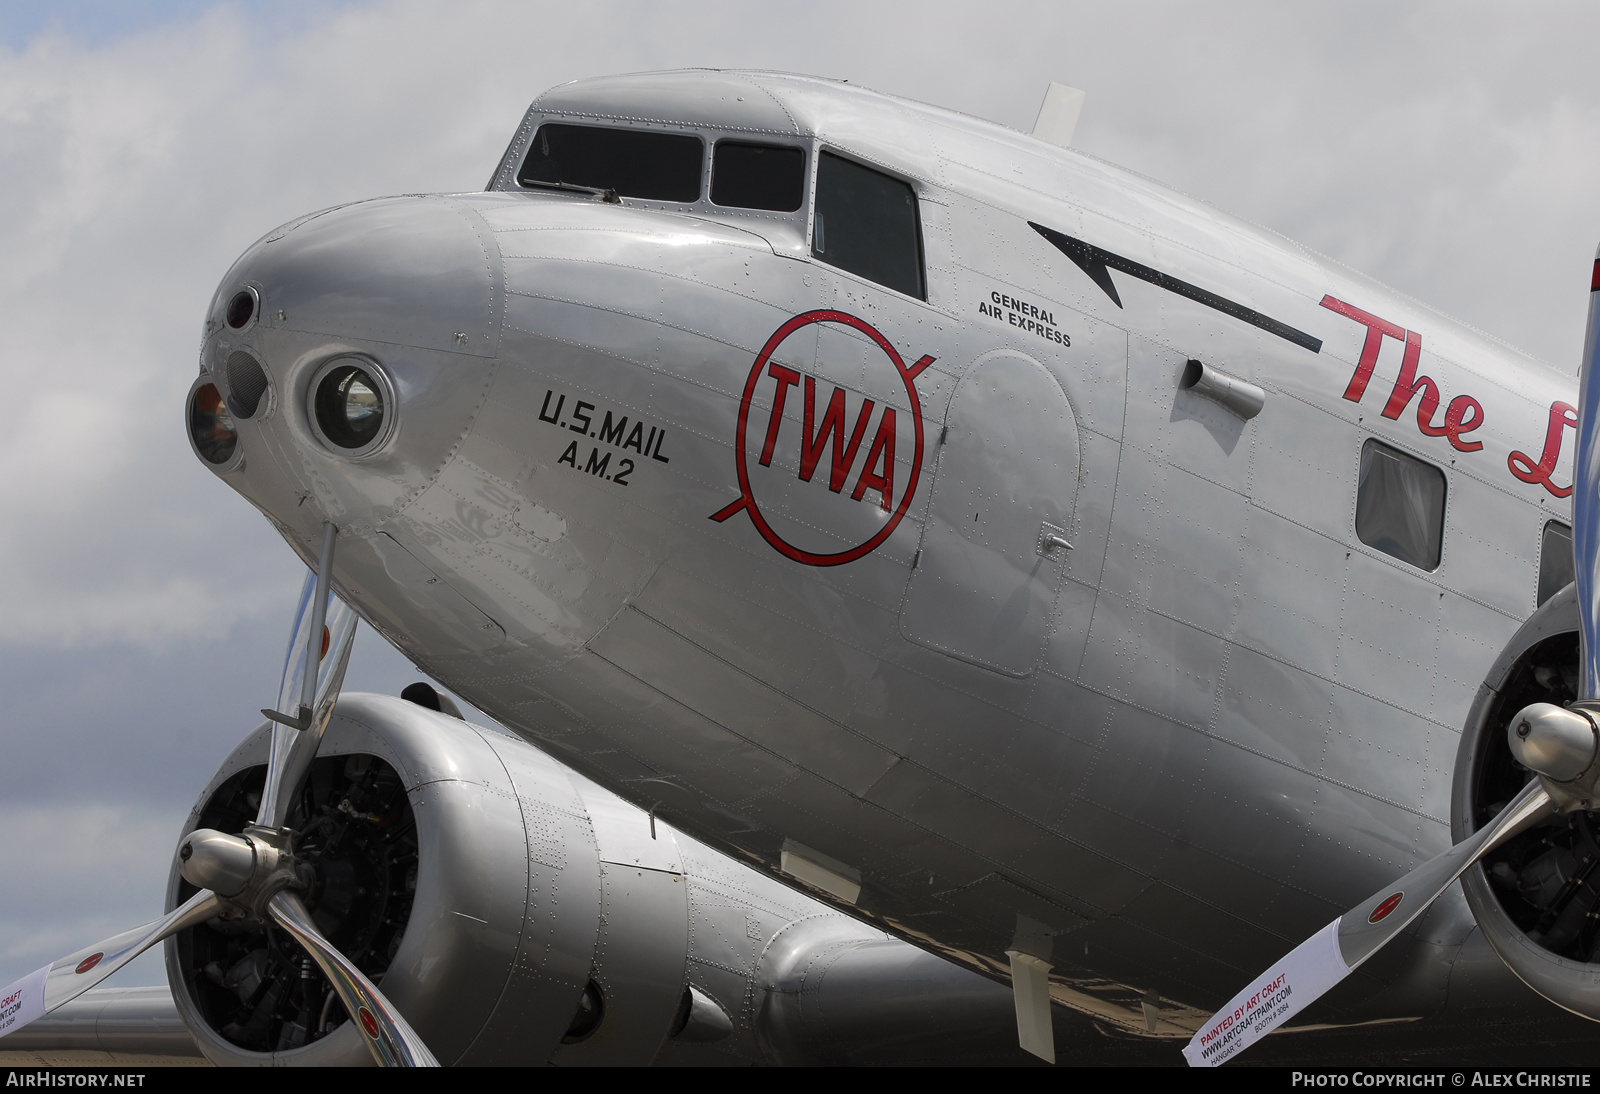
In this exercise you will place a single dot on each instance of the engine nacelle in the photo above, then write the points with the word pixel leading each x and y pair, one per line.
pixel 518 913
pixel 514 912
pixel 1537 897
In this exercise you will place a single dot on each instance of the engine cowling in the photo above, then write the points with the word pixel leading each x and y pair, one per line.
pixel 518 913
pixel 1537 897
pixel 465 872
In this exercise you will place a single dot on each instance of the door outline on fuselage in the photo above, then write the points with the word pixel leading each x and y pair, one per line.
pixel 956 570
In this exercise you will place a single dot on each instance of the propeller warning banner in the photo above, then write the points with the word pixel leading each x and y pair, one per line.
pixel 1280 993
pixel 22 1001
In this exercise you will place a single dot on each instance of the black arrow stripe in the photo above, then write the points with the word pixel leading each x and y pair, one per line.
pixel 1095 262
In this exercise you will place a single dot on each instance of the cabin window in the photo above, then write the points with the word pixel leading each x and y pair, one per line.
pixel 866 223
pixel 636 163
pixel 1400 505
pixel 1555 560
pixel 758 176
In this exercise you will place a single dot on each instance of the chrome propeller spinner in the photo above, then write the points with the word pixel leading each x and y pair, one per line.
pixel 1559 745
pixel 256 876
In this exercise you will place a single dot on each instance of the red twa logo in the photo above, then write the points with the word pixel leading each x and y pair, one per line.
pixel 860 450
pixel 89 962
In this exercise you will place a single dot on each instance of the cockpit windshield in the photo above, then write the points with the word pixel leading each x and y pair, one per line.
pixel 745 175
pixel 635 163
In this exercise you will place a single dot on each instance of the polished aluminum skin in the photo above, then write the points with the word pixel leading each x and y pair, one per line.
pixel 1111 682
pixel 1556 744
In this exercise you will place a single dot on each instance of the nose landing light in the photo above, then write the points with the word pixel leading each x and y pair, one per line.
pixel 351 405
pixel 211 427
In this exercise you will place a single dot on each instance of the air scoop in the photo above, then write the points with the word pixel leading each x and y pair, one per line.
pixel 1559 743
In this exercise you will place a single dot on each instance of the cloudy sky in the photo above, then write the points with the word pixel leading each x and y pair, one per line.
pixel 1451 150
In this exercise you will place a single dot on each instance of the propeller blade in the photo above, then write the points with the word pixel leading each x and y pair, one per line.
pixel 1327 957
pixel 393 1043
pixel 42 991
pixel 1585 515
pixel 313 673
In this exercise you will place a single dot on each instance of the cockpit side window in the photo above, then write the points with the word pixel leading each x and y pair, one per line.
pixel 866 222
pixel 1400 505
pixel 636 163
pixel 758 176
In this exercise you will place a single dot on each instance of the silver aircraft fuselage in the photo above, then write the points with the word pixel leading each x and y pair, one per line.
pixel 960 611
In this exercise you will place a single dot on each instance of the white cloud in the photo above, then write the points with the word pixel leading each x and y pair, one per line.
pixel 78 872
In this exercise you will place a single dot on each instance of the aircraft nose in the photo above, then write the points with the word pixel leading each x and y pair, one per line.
pixel 422 272
pixel 345 355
